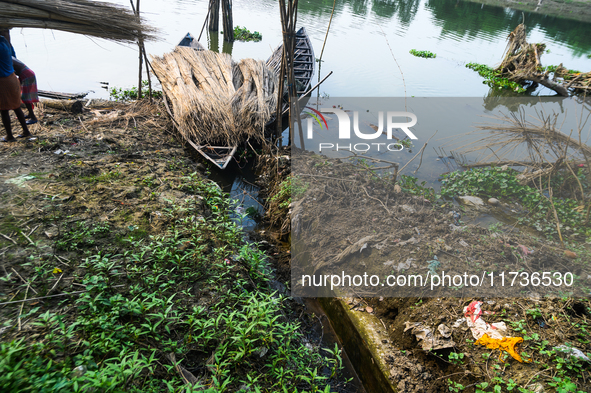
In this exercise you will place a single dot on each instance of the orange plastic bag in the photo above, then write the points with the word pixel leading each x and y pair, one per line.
pixel 506 344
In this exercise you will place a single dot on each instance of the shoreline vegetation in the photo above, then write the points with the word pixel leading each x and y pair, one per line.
pixel 579 10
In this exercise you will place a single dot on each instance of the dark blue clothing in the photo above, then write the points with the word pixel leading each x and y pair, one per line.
pixel 6 53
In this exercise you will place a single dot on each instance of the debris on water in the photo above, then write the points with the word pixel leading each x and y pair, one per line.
pixel 471 200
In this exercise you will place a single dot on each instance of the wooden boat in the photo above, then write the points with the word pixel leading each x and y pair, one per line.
pixel 303 71
pixel 304 66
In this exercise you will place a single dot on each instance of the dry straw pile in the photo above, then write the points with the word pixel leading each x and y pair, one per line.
pixel 214 100
pixel 98 19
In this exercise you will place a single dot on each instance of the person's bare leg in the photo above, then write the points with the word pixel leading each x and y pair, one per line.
pixel 21 119
pixel 7 126
pixel 31 114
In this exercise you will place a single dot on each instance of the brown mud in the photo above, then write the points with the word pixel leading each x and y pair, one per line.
pixel 111 168
pixel 342 204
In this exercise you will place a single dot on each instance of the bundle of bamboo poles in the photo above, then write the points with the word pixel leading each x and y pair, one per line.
pixel 98 19
pixel 214 100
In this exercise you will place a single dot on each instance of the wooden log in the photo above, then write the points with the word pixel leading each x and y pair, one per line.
pixel 64 105
pixel 559 88
pixel 227 18
pixel 61 96
pixel 214 15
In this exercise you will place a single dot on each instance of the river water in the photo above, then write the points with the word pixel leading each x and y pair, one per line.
pixel 367 48
pixel 364 39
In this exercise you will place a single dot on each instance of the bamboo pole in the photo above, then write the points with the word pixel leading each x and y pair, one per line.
pixel 142 57
pixel 139 86
pixel 288 21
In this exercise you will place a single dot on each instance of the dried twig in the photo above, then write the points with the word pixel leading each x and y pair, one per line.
pixel 8 238
pixel 23 280
pixel 55 285
pixel 20 312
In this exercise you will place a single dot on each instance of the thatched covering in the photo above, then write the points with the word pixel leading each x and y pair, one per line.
pixel 522 63
pixel 98 19
pixel 215 100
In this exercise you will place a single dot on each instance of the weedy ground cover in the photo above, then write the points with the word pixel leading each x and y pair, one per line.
pixel 122 270
pixel 195 293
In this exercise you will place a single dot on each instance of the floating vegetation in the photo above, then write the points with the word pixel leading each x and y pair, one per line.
pixel 493 78
pixel 423 53
pixel 124 95
pixel 560 68
pixel 500 183
pixel 243 34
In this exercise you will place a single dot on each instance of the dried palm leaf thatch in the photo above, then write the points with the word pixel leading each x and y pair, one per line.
pixel 94 18
pixel 214 100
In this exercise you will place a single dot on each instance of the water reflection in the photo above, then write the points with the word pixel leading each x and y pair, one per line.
pixel 460 19
pixel 356 50
pixel 469 19
pixel 403 10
